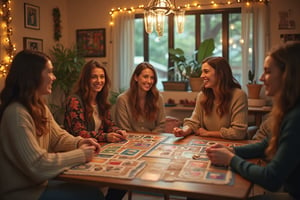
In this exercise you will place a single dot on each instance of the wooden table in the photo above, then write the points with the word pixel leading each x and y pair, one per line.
pixel 240 188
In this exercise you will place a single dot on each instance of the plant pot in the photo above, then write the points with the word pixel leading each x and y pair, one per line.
pixel 175 85
pixel 254 91
pixel 196 83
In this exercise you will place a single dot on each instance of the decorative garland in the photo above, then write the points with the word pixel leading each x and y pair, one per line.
pixel 57 26
pixel 191 6
pixel 6 42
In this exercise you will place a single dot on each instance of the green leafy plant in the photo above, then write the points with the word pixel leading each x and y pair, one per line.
pixel 251 75
pixel 190 67
pixel 67 63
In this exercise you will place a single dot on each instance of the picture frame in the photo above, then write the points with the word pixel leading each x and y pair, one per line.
pixel 91 42
pixel 31 16
pixel 35 44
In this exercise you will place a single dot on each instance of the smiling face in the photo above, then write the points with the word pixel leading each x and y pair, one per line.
pixel 145 80
pixel 271 77
pixel 97 80
pixel 47 78
pixel 209 76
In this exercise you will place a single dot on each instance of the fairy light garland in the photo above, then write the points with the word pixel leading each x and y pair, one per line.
pixel 6 33
pixel 114 11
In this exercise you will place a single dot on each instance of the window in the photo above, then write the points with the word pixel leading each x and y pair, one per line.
pixel 223 25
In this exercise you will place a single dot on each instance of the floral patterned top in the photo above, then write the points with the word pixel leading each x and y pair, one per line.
pixel 75 121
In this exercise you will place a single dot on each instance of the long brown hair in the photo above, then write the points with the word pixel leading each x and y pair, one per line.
pixel 21 85
pixel 287 59
pixel 226 82
pixel 83 90
pixel 152 96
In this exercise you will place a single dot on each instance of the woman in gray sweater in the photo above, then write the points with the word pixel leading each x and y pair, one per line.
pixel 141 107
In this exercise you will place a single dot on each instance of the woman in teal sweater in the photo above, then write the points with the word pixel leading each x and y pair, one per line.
pixel 282 149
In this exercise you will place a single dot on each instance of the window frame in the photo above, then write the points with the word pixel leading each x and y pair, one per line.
pixel 225 29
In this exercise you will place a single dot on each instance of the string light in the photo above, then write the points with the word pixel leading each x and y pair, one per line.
pixel 187 6
pixel 6 43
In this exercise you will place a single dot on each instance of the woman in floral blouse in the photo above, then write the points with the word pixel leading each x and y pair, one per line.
pixel 87 112
pixel 87 109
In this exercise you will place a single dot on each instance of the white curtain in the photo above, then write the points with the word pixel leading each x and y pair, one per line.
pixel 255 16
pixel 122 50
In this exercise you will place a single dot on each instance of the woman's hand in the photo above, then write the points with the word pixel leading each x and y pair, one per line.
pixel 89 143
pixel 178 132
pixel 219 154
pixel 117 136
pixel 90 147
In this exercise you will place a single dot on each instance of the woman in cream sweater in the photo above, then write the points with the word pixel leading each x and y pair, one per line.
pixel 33 148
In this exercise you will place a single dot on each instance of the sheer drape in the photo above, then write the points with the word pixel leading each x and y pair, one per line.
pixel 254 17
pixel 122 50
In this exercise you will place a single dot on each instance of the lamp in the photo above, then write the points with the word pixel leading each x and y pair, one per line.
pixel 155 12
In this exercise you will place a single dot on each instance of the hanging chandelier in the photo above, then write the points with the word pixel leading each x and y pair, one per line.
pixel 155 13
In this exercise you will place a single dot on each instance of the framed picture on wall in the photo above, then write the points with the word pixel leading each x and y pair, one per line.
pixel 31 16
pixel 91 42
pixel 33 44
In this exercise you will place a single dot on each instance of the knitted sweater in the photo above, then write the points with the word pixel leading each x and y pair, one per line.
pixel 126 121
pixel 232 125
pixel 284 168
pixel 29 160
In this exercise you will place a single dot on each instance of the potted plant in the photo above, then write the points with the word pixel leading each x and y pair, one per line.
pixel 67 64
pixel 190 68
pixel 252 86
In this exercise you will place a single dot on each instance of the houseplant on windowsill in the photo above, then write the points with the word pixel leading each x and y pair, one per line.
pixel 252 86
pixel 190 68
pixel 254 90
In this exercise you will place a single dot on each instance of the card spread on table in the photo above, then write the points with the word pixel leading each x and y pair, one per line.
pixel 183 162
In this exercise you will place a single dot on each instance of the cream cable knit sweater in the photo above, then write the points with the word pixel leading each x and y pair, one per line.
pixel 27 161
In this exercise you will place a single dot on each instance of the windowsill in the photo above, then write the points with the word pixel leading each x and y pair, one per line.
pixel 179 95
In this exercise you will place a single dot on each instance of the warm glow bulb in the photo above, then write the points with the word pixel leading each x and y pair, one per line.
pixel 159 23
pixel 250 50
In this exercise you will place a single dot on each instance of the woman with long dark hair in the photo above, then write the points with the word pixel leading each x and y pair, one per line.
pixel 33 147
pixel 221 108
pixel 141 107
pixel 88 110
